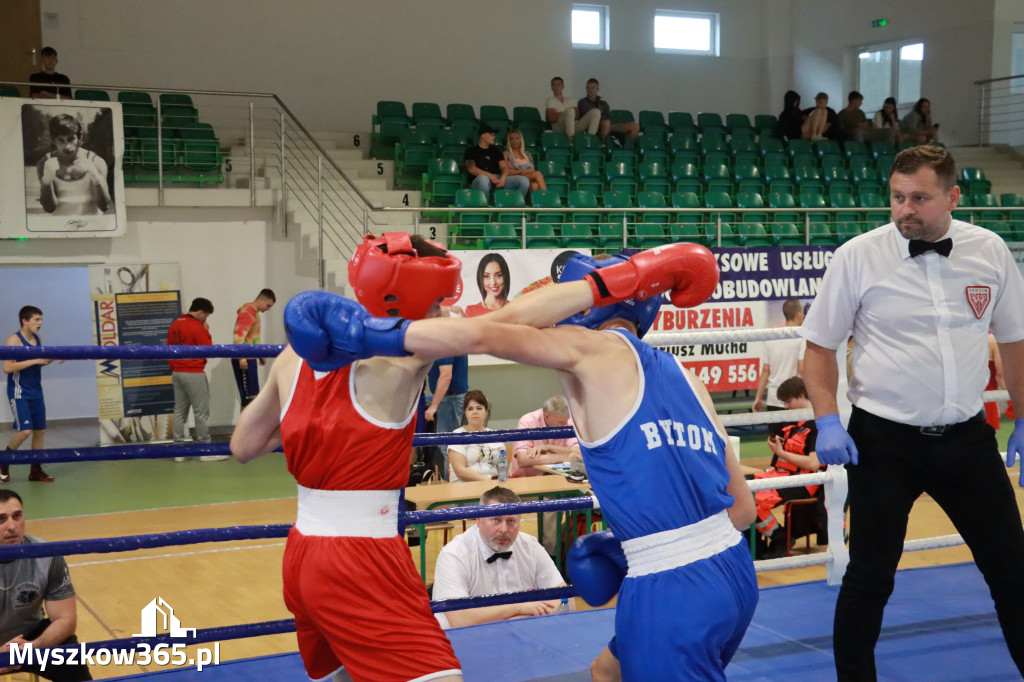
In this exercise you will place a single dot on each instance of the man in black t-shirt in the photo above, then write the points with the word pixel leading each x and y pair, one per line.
pixel 487 169
pixel 49 75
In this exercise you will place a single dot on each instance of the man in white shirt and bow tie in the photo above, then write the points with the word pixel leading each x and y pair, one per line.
pixel 920 295
pixel 493 557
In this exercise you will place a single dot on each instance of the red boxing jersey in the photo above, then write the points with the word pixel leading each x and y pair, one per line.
pixel 333 444
pixel 188 331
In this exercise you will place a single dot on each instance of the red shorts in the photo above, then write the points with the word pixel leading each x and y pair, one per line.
pixel 359 602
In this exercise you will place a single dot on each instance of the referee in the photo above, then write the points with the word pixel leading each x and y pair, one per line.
pixel 920 295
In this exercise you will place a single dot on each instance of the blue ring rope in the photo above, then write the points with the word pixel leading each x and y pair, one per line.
pixel 154 451
pixel 128 543
pixel 138 352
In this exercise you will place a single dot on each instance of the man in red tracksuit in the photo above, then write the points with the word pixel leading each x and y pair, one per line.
pixel 793 453
pixel 191 388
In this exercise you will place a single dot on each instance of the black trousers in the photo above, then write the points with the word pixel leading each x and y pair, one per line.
pixel 963 472
pixel 57 673
pixel 248 379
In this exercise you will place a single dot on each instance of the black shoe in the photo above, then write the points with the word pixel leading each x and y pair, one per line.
pixel 5 474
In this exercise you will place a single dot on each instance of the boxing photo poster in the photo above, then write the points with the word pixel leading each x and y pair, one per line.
pixel 61 165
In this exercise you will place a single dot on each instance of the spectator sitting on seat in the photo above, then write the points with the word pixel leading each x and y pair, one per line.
pixel 474 461
pixel 917 125
pixel 519 162
pixel 594 101
pixel 41 608
pixel 560 112
pixel 72 179
pixel 487 168
pixel 791 119
pixel 493 557
pixel 49 75
pixel 888 117
pixel 854 125
pixel 531 453
pixel 793 452
pixel 821 120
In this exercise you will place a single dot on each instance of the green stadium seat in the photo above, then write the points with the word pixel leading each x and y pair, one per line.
pixel 710 121
pixel 736 122
pixel 716 199
pixel 577 236
pixel 461 112
pixel 587 147
pixel 171 99
pixel 748 177
pixel 653 200
pixel 510 198
pixel 547 198
pixel 443 179
pixel 681 122
pixel 134 97
pixel 413 154
pixel 452 145
pixel 621 116
pixel 495 116
pixel 427 112
pixel 609 235
pixel 683 142
pixel 717 177
pixel 649 235
pixel 766 122
pixel 138 115
pixel 786 207
pixel 853 148
pixel 753 234
pixel 501 236
pixel 821 234
pixel 619 176
pixel 847 230
pixel 472 198
pixel 975 181
pixel 786 234
pixel 883 148
pixel 542 236
pixel 751 200
pixel 93 95
pixel 653 149
pixel 9 91
pixel 654 178
pixel 584 199
pixel 587 175
pixel 653 123
pixel 687 232
pixel 729 238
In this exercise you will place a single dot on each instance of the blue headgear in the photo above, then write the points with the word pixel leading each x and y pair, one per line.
pixel 641 313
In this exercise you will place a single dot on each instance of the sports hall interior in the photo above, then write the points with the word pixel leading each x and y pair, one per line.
pixel 291 91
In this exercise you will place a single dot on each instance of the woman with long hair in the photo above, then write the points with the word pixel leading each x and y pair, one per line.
pixel 494 283
pixel 474 461
pixel 520 161
pixel 917 124
pixel 888 117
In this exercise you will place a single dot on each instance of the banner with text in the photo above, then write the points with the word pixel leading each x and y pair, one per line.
pixel 61 164
pixel 136 399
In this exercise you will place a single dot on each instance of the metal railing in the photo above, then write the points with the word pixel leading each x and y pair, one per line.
pixel 1001 111
pixel 266 141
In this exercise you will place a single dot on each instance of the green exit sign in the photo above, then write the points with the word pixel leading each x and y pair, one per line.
pixel 879 23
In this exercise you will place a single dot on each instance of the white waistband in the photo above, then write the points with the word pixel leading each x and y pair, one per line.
pixel 348 513
pixel 671 549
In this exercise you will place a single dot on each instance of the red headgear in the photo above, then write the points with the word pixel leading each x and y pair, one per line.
pixel 390 279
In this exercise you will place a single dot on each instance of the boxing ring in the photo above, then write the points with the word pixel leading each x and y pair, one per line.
pixel 791 633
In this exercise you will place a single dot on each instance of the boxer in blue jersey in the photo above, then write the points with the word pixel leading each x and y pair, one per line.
pixel 656 453
pixel 25 392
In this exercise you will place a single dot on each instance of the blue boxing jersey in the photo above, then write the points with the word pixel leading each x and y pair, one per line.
pixel 663 466
pixel 26 383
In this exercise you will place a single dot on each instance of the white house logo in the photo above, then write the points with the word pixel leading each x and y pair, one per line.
pixel 158 611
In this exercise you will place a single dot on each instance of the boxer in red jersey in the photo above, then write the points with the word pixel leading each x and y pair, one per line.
pixel 360 606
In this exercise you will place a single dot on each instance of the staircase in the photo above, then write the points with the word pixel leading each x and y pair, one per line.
pixel 1002 166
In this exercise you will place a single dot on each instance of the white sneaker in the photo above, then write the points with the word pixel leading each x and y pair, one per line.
pixel 180 459
pixel 213 458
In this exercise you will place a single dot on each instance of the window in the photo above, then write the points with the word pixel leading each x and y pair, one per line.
pixel 686 32
pixel 1017 63
pixel 590 27
pixel 892 70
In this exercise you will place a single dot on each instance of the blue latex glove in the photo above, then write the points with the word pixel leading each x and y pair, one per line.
pixel 1015 448
pixel 834 445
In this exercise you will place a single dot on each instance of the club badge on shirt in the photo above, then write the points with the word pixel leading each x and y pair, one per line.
pixel 979 298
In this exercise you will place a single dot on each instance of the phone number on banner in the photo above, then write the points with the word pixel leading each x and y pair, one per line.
pixel 734 374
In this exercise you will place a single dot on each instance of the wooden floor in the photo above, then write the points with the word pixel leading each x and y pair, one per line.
pixel 218 584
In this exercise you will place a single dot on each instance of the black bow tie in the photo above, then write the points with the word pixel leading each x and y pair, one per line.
pixel 943 247
pixel 499 555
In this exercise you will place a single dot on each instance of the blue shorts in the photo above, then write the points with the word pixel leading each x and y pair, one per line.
pixel 686 623
pixel 29 414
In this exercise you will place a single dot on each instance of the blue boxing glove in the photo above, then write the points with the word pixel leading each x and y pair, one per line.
pixel 1015 448
pixel 331 331
pixel 596 565
pixel 834 445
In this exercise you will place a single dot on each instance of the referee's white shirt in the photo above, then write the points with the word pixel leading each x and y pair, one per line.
pixel 462 569
pixel 919 324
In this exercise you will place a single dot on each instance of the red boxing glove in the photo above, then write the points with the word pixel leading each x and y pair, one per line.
pixel 688 271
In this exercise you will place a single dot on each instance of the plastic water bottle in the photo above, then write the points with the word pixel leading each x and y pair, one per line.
pixel 503 465
pixel 564 607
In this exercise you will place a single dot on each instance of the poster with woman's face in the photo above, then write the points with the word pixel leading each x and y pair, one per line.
pixel 490 279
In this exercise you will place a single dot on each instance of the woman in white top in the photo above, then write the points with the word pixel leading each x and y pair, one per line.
pixel 474 461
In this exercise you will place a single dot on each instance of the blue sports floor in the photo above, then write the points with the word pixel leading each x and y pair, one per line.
pixel 939 625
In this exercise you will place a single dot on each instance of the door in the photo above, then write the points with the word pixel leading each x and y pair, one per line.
pixel 21 38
